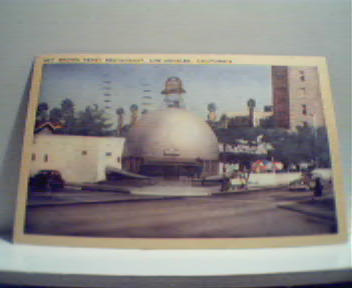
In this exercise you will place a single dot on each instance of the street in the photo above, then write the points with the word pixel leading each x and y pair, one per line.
pixel 246 214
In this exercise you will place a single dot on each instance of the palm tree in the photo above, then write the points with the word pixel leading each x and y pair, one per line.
pixel 212 112
pixel 120 113
pixel 251 106
pixel 134 113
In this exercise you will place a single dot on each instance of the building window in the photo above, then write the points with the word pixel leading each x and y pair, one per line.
pixel 46 158
pixel 304 109
pixel 302 92
pixel 268 108
pixel 301 76
pixel 118 159
pixel 305 124
pixel 108 154
pixel 281 100
pixel 281 91
pixel 280 76
pixel 33 156
pixel 84 152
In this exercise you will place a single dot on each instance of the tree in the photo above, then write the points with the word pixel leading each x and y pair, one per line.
pixel 67 108
pixel 268 122
pixel 42 112
pixel 55 115
pixel 322 150
pixel 92 122
pixel 306 144
pixel 120 119
pixel 68 115
pixel 212 112
pixel 251 103
pixel 134 113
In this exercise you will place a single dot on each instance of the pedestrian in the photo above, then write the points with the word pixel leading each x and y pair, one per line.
pixel 190 172
pixel 307 178
pixel 243 179
pixel 318 187
pixel 199 168
pixel 224 168
pixel 225 184
pixel 235 181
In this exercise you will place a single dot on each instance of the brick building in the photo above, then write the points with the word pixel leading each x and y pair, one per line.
pixel 296 97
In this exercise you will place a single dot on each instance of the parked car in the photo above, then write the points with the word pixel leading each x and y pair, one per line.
pixel 47 179
pixel 298 185
pixel 305 183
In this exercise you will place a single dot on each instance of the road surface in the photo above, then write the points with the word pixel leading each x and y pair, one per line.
pixel 252 214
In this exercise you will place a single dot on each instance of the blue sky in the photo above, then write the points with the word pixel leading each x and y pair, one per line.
pixel 229 86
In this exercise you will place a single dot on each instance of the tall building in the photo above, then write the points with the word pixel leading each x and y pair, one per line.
pixel 296 97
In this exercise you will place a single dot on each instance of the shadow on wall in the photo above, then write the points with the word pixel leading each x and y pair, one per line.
pixel 9 170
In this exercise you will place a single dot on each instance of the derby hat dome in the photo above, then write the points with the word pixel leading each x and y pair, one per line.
pixel 172 134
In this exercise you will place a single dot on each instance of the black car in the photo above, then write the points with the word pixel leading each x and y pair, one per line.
pixel 47 180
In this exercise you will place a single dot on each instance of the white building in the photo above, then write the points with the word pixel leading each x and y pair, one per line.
pixel 78 158
pixel 244 147
pixel 170 142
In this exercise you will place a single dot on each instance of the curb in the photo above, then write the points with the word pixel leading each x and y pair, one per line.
pixel 98 187
pixel 67 203
pixel 106 189
pixel 295 206
pixel 244 191
pixel 317 215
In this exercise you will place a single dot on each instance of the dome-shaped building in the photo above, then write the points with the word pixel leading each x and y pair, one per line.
pixel 171 143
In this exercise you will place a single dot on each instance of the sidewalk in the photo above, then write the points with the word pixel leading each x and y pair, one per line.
pixel 319 207
pixel 77 198
pixel 88 193
pixel 249 189
pixel 99 187
pixel 322 208
pixel 103 193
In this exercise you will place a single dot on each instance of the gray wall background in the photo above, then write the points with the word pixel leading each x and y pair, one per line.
pixel 31 28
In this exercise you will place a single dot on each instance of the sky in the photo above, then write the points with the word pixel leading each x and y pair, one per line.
pixel 228 86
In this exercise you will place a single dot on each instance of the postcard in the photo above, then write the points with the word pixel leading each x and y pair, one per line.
pixel 180 151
